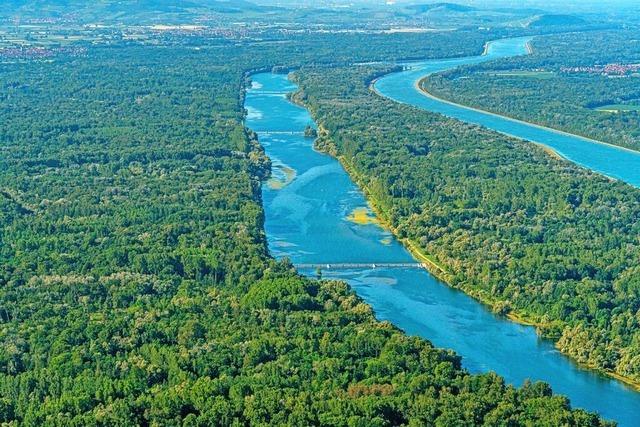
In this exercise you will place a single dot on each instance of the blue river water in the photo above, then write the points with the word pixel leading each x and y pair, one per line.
pixel 609 160
pixel 307 207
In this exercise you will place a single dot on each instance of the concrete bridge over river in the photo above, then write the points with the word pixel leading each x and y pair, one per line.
pixel 363 265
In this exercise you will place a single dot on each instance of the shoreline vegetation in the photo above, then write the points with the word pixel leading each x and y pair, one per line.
pixel 438 270
pixel 441 273
pixel 573 103
pixel 392 388
pixel 518 317
pixel 420 86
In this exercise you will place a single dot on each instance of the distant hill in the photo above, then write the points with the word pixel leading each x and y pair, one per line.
pixel 555 20
pixel 107 9
pixel 449 7
pixel 519 11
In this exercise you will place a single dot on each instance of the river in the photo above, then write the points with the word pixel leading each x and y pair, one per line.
pixel 609 160
pixel 309 207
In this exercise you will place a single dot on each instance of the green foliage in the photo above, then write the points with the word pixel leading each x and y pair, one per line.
pixel 135 284
pixel 291 294
pixel 511 225
pixel 561 100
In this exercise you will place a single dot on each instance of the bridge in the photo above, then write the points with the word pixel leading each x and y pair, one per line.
pixel 363 265
pixel 275 132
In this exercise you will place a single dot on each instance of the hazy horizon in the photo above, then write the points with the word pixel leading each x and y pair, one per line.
pixel 556 5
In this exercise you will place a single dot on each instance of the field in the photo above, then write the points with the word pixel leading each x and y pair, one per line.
pixel 618 108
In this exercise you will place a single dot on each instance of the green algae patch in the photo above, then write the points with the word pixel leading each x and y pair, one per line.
pixel 362 216
pixel 286 176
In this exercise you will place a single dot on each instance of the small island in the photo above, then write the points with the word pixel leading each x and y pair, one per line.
pixel 310 132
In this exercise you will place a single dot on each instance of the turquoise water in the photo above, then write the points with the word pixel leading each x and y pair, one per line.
pixel 612 161
pixel 306 221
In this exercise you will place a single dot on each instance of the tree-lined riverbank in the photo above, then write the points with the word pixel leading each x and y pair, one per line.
pixel 494 211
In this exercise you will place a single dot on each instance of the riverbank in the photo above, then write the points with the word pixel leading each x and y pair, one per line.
pixel 435 268
pixel 308 223
pixel 420 87
pixel 440 271
pixel 483 297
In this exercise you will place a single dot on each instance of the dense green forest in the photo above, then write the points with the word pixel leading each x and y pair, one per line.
pixel 534 236
pixel 544 88
pixel 135 283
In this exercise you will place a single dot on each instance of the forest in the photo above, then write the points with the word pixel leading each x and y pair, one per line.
pixel 535 237
pixel 556 87
pixel 135 284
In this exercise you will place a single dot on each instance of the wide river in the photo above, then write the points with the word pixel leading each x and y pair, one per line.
pixel 309 206
pixel 608 160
